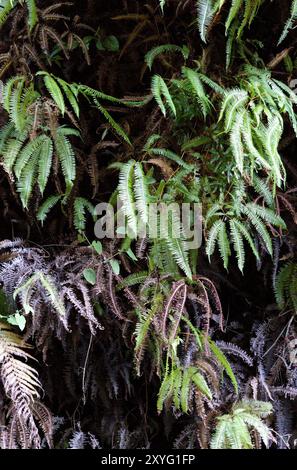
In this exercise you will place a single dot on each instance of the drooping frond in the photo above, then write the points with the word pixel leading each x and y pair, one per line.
pixel 159 89
pixel 205 13
pixel 290 22
pixel 164 49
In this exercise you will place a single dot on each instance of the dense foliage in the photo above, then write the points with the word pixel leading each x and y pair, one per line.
pixel 146 341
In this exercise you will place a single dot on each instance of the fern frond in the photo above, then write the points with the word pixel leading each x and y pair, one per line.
pixel 46 206
pixel 49 285
pixel 164 49
pixel 213 237
pixel 7 7
pixel 290 22
pixel 115 126
pixel 198 89
pixel 54 90
pixel 32 10
pixel 70 93
pixel 66 156
pixel 257 223
pixel 205 13
pixel 245 233
pixel 79 216
pixel 126 182
pixel 141 193
pixel 133 279
pixel 159 89
pixel 237 240
pixel 268 215
pixel 223 361
pixel 233 13
pixel 27 179
pixel 45 162
pixel 233 430
pixel 176 244
pixel 223 244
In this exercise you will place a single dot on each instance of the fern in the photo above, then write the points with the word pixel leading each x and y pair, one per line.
pixel 285 287
pixel 141 193
pixel 32 11
pixel 47 283
pixel 236 236
pixel 177 385
pixel 233 430
pixel 222 360
pixel 79 219
pixel 290 22
pixel 164 49
pixel 234 9
pixel 66 156
pixel 176 244
pixel 159 89
pixel 46 206
pixel 54 90
pixel 205 13
pixel 126 194
pixel 21 384
pixel 198 89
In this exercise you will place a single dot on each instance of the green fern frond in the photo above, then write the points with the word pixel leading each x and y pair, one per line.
pixel 141 193
pixel 28 151
pixel 159 89
pixel 233 430
pixel 54 90
pixel 45 163
pixel 224 245
pixel 236 237
pixel 201 384
pixel 236 142
pixel 70 93
pixel 267 215
pixel 27 179
pixel 285 287
pixel 290 22
pixel 32 10
pixel 80 206
pixel 213 237
pixel 50 287
pixel 198 89
pixel 205 13
pixel 173 237
pixel 133 279
pixel 262 188
pixel 164 49
pixel 126 182
pixel 233 13
pixel 245 233
pixel 223 361
pixel 15 108
pixel 46 206
pixel 66 156
pixel 257 223
pixel 7 7
pixel 115 126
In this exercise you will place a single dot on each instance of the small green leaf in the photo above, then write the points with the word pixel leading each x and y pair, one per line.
pixel 90 276
pixel 17 320
pixel 111 44
pixel 115 266
pixel 131 254
pixel 97 247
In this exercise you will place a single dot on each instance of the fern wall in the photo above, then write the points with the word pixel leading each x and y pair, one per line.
pixel 140 342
